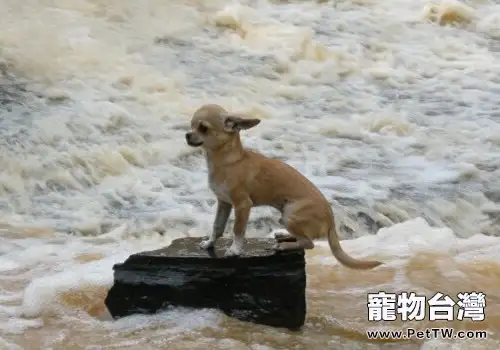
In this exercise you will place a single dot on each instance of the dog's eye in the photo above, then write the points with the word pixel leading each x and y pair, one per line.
pixel 202 128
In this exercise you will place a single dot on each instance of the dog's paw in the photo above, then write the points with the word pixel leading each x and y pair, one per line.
pixel 282 246
pixel 206 244
pixel 284 237
pixel 233 251
pixel 278 235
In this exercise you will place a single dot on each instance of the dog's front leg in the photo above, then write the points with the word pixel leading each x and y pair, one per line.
pixel 242 212
pixel 220 222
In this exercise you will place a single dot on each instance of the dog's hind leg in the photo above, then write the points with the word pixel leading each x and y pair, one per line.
pixel 299 223
pixel 283 236
pixel 297 237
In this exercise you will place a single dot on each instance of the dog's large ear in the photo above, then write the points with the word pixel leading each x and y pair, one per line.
pixel 235 123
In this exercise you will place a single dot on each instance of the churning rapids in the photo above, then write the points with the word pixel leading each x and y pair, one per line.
pixel 391 107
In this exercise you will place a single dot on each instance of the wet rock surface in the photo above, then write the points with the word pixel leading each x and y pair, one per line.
pixel 261 286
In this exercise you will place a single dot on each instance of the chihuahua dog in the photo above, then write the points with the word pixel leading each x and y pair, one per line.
pixel 242 179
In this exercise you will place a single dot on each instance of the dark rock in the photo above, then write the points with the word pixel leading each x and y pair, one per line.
pixel 262 286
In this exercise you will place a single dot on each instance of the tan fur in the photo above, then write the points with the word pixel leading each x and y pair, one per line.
pixel 242 179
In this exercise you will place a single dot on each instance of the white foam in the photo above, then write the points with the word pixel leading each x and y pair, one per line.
pixel 17 325
pixel 178 319
pixel 6 264
pixel 413 237
pixel 42 292
pixel 9 346
pixel 10 296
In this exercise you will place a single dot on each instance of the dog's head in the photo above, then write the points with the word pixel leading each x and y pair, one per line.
pixel 212 127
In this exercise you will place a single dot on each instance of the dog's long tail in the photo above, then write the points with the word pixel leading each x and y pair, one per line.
pixel 343 258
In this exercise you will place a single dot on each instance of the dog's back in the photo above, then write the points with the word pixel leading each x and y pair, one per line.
pixel 274 182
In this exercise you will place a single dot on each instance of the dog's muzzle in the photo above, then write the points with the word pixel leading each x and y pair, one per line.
pixel 192 141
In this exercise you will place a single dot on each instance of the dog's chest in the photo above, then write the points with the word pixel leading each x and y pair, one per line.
pixel 221 190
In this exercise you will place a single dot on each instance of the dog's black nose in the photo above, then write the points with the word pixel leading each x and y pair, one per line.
pixel 188 135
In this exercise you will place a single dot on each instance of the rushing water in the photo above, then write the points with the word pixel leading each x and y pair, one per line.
pixel 390 111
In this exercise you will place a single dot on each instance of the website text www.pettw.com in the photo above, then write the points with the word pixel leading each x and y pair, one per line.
pixel 428 333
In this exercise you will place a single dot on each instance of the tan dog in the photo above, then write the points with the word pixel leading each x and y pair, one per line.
pixel 242 179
